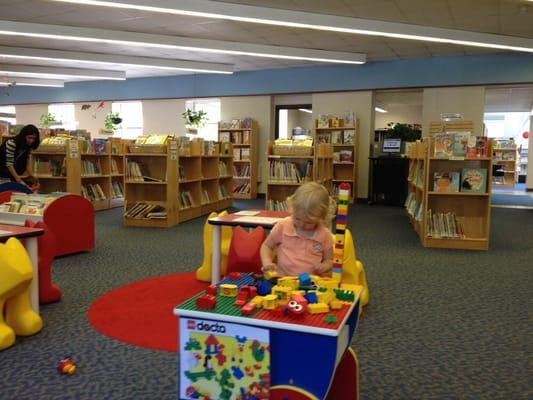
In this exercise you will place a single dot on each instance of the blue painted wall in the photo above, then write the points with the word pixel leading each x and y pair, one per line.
pixel 427 72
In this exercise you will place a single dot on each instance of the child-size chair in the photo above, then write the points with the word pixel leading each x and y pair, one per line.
pixel 203 273
pixel 15 277
pixel 48 292
pixel 244 251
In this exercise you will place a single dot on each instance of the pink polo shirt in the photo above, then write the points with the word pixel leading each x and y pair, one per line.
pixel 297 254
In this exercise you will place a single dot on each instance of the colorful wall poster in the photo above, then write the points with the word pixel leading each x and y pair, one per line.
pixel 224 361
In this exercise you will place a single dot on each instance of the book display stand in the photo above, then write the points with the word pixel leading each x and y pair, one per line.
pixel 505 157
pixel 243 135
pixel 449 197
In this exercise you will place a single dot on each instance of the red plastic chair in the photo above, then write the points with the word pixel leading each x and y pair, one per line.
pixel 244 250
pixel 48 292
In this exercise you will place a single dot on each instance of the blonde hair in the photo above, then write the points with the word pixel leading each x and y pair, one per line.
pixel 312 201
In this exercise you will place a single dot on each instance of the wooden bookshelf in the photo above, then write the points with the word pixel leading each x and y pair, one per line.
pixel 117 149
pixel 186 185
pixel 505 158
pixel 243 135
pixel 343 139
pixel 451 219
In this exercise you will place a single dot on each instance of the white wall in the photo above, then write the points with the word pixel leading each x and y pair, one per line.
pixel 469 101
pixel 529 177
pixel 290 99
pixel 405 114
pixel 164 116
pixel 362 104
pixel 258 108
pixel 93 118
pixel 31 114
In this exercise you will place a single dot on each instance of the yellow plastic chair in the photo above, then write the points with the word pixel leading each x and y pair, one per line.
pixel 353 272
pixel 203 273
pixel 15 277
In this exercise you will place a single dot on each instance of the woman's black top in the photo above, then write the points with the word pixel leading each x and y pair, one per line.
pixel 11 154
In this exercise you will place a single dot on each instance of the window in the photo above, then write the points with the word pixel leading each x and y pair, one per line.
pixel 7 113
pixel 212 108
pixel 65 116
pixel 131 113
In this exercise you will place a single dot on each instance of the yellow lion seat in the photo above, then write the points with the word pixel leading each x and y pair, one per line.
pixel 15 277
pixel 203 273
pixel 353 272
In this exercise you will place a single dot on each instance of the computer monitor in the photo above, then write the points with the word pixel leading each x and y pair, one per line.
pixel 392 146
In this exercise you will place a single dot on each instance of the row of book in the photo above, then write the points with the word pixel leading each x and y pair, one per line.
pixel 115 170
pixel 90 167
pixel 504 156
pixel 460 145
pixel 50 167
pixel 240 137
pixel 153 140
pixel 117 189
pixel 93 192
pixel 241 154
pixel 468 180
pixel 290 172
pixel 414 208
pixel 32 204
pixel 138 172
pixel 242 171
pixel 236 123
pixel 416 175
pixel 346 137
pixel 141 210
pixel 277 205
pixel 336 120
pixel 444 225
pixel 242 188
pixel 223 168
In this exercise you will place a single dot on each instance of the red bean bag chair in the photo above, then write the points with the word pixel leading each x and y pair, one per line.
pixel 48 292
pixel 244 250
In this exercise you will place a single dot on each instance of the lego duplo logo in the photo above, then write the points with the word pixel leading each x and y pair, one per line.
pixel 191 324
pixel 216 327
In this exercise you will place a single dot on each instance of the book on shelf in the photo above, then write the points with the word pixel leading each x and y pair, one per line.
pixel 346 156
pixel 337 137
pixel 235 124
pixel 446 182
pixel 246 137
pixel 444 225
pixel 336 156
pixel 187 200
pixel 460 143
pixel 322 121
pixel 237 154
pixel 323 138
pixel 443 145
pixel 349 118
pixel 236 138
pixel 243 188
pixel 225 136
pixel 474 180
pixel 348 137
pixel 245 154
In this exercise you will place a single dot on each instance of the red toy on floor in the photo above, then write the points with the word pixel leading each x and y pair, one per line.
pixel 48 292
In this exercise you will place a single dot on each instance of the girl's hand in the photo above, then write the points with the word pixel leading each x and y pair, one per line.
pixel 269 267
pixel 322 268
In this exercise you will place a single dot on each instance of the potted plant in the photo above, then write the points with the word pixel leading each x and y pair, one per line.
pixel 405 132
pixel 47 120
pixel 112 119
pixel 194 120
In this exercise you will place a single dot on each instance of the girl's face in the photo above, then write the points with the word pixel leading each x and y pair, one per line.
pixel 30 139
pixel 304 224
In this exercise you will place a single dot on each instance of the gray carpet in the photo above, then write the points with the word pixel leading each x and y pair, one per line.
pixel 441 324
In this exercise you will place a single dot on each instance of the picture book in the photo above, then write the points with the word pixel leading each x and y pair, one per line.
pixel 349 118
pixel 443 145
pixel 349 137
pixel 336 137
pixel 322 121
pixel 346 155
pixel 323 138
pixel 474 180
pixel 460 143
pixel 225 136
pixel 446 182
pixel 478 146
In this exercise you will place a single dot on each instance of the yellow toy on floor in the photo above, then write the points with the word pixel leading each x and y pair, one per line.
pixel 15 276
pixel 203 273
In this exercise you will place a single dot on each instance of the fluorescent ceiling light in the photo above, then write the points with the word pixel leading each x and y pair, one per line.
pixel 21 53
pixel 381 110
pixel 305 110
pixel 323 22
pixel 57 72
pixel 58 32
pixel 12 81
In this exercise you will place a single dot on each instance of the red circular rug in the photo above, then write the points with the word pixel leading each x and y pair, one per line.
pixel 141 313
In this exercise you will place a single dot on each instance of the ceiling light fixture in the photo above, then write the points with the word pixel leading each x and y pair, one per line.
pixel 91 35
pixel 332 23
pixel 12 81
pixel 108 59
pixel 57 72
pixel 380 110
pixel 305 110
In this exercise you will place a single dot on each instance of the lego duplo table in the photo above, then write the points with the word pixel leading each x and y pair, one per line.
pixel 222 351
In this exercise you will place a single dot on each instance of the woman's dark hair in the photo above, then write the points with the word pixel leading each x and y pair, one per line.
pixel 20 139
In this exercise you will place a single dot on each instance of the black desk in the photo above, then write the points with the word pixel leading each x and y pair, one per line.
pixel 388 180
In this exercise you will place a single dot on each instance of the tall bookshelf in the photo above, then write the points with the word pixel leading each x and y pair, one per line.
pixel 341 132
pixel 290 166
pixel 449 219
pixel 180 180
pixel 243 135
pixel 505 158
pixel 117 147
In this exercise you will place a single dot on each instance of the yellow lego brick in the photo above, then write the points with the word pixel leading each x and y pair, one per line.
pixel 257 300
pixel 228 290
pixel 339 238
pixel 298 292
pixel 270 274
pixel 328 283
pixel 325 297
pixel 354 288
pixel 289 281
pixel 282 293
pixel 337 260
pixel 317 308
pixel 335 304
pixel 270 301
pixel 341 227
pixel 342 207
